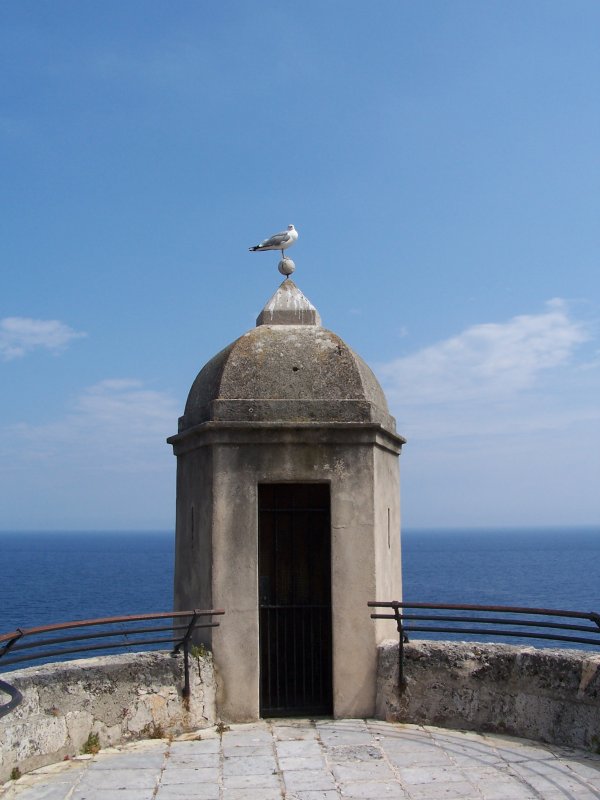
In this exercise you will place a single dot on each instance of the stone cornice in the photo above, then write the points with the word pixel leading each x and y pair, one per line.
pixel 225 433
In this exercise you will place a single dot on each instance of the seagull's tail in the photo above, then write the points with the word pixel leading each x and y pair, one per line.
pixel 254 249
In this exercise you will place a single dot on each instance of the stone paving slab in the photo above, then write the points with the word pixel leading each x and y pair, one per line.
pixel 320 760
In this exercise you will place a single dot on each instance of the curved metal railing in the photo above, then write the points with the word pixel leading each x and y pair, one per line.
pixel 475 620
pixel 126 633
pixel 15 697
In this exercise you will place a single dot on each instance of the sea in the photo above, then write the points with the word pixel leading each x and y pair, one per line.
pixel 49 577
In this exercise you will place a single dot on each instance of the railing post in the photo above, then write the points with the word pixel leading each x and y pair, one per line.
pixel 402 637
pixel 185 643
pixel 11 642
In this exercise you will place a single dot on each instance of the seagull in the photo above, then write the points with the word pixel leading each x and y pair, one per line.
pixel 279 241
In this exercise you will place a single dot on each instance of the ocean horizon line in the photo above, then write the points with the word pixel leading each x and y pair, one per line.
pixel 410 529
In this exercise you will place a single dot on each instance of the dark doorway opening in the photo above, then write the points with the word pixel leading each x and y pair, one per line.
pixel 294 567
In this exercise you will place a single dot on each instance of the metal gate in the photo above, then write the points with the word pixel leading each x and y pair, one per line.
pixel 294 556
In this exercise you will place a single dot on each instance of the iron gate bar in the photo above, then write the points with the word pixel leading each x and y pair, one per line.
pixel 298 605
pixel 294 688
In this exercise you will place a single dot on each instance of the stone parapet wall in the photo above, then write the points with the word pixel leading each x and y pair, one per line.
pixel 547 695
pixel 119 698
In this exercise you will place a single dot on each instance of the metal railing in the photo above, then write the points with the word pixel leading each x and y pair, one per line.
pixel 475 620
pixel 111 633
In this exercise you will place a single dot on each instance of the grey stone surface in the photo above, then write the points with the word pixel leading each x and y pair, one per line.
pixel 259 793
pixel 188 791
pixel 542 694
pixel 183 773
pixel 99 780
pixel 288 306
pixel 304 780
pixel 198 745
pixel 248 765
pixel 119 698
pixel 122 794
pixel 481 766
pixel 302 748
pixel 294 731
pixel 267 780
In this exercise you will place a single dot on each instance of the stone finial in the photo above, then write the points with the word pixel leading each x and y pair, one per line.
pixel 289 306
pixel 286 266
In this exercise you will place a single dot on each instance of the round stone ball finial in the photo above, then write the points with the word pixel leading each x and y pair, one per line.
pixel 286 266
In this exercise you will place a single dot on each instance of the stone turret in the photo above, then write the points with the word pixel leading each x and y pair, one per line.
pixel 288 500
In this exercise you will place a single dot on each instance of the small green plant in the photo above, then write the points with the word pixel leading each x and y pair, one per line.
pixel 596 744
pixel 199 650
pixel 220 727
pixel 91 745
pixel 15 774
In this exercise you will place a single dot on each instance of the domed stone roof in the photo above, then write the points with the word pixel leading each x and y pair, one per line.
pixel 288 369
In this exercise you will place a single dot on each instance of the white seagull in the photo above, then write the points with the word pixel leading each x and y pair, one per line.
pixel 279 241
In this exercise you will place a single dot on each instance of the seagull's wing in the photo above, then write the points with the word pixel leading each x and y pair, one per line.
pixel 276 240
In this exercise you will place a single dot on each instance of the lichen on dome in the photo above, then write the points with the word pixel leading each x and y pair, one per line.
pixel 287 369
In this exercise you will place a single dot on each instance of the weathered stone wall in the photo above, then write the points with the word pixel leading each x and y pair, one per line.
pixel 119 698
pixel 237 458
pixel 548 695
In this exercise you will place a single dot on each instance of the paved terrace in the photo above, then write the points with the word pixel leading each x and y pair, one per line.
pixel 320 760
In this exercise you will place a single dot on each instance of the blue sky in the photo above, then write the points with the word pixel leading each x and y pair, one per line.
pixel 441 163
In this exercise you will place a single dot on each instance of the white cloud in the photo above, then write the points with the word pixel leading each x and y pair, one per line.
pixel 491 360
pixel 116 425
pixel 103 464
pixel 125 406
pixel 502 422
pixel 21 335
